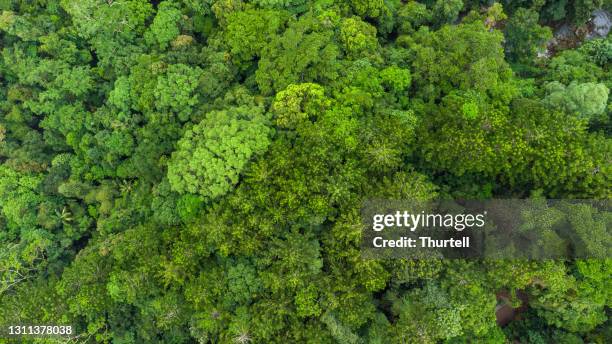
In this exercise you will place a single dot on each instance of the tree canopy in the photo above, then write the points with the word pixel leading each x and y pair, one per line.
pixel 183 171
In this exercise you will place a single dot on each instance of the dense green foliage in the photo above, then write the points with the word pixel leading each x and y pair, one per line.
pixel 193 171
